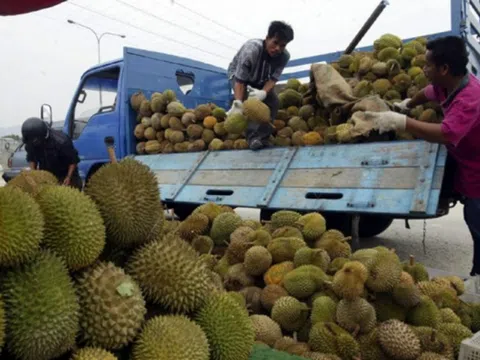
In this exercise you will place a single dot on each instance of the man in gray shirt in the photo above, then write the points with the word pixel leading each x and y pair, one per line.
pixel 258 65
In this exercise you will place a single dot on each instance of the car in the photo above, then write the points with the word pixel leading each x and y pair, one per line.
pixel 18 159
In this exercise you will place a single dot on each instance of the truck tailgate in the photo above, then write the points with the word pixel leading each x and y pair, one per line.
pixel 400 178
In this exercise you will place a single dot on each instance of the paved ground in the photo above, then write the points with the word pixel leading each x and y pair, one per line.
pixel 448 242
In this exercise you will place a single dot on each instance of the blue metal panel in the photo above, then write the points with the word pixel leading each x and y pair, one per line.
pixel 384 201
pixel 373 191
pixel 425 178
pixel 276 177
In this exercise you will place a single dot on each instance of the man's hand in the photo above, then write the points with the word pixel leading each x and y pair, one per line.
pixel 257 94
pixel 67 181
pixel 386 121
pixel 237 108
pixel 402 106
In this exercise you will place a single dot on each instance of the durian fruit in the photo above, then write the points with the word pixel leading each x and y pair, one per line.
pixel 127 195
pixel 312 225
pixel 304 281
pixel 387 40
pixel 2 324
pixel 42 310
pixel 289 345
pixel 425 313
pixel 192 226
pixel 329 338
pixel 136 99
pixel 363 89
pixel 229 330
pixel 324 309
pixel 112 307
pixel 284 218
pixel 448 316
pixel 252 300
pixel 91 353
pixel 290 97
pixel 385 272
pixel 171 273
pixel 293 84
pixel 287 231
pixel 406 295
pixel 432 356
pixel 210 209
pixel 349 282
pixel 307 256
pixel 257 260
pixel 398 340
pixel 171 337
pixel 388 53
pixel 270 294
pixel 284 248
pixel 22 227
pixel 169 96
pixel 236 278
pixel 434 341
pixel 335 243
pixel 240 242
pixel 74 227
pixel 382 86
pixel 456 333
pixel 369 346
pixel 175 108
pixel 336 265
pixel 290 313
pixel 256 110
pixel 266 330
pixel 416 270
pixel 387 309
pixel 203 244
pixel 219 113
pixel 223 225
pixel 356 314
pixel 31 181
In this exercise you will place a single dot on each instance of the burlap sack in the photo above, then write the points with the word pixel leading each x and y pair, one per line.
pixel 331 88
pixel 371 103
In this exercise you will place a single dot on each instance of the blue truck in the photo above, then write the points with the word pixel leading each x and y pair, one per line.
pixel 367 185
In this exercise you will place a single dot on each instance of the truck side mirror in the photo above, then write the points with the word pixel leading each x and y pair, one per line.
pixel 46 114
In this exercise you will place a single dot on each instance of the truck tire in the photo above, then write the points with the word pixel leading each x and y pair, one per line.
pixel 373 225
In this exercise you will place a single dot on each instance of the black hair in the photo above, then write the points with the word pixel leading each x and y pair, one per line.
pixel 451 51
pixel 281 30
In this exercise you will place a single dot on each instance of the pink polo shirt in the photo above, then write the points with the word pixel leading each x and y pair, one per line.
pixel 461 127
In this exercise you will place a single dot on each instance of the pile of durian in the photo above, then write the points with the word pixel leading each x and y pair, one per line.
pixel 393 72
pixel 104 274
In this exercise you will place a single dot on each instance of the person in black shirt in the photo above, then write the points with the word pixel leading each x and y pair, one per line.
pixel 51 150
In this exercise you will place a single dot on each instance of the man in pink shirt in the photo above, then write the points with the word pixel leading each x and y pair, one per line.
pixel 458 93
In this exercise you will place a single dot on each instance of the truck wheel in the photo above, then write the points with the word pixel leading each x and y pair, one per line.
pixel 373 225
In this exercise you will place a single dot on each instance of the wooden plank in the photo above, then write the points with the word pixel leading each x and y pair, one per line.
pixel 231 177
pixel 393 178
pixel 389 178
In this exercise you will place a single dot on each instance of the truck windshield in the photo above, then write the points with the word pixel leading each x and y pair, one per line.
pixel 98 95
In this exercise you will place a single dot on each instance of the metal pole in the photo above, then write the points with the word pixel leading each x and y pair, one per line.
pixel 368 24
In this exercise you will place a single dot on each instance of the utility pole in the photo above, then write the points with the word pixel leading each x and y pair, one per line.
pixel 99 38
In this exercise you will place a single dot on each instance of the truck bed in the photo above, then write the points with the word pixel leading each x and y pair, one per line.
pixel 400 178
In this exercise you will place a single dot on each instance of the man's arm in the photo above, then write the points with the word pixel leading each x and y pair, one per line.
pixel 239 90
pixel 269 85
pixel 68 178
pixel 420 98
pixel 426 131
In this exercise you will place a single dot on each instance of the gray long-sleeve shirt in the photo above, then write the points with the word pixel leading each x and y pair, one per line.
pixel 253 66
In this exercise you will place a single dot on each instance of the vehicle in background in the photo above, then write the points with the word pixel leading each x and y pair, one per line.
pixel 18 159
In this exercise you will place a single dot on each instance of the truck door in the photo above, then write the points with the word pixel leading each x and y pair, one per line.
pixel 94 115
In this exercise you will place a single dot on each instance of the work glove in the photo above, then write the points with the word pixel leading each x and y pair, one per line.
pixel 256 93
pixel 386 121
pixel 402 106
pixel 237 108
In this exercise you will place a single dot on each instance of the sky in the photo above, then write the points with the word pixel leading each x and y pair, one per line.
pixel 43 56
